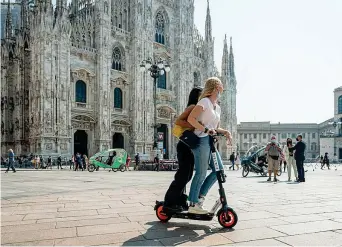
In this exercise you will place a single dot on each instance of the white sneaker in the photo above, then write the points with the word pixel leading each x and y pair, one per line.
pixel 201 201
pixel 197 209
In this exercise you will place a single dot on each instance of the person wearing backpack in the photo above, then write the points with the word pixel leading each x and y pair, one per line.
pixel 274 153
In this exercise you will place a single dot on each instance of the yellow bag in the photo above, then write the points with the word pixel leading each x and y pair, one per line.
pixel 177 130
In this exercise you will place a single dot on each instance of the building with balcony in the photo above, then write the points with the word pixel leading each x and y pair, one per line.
pixel 71 80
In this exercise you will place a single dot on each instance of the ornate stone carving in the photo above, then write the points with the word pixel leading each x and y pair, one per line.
pixel 17 98
pixel 64 146
pixel 11 129
pixel 17 124
pixel 164 113
pixel 26 98
pixel 11 104
pixel 2 128
pixel 80 125
pixel 27 125
pixel 3 103
pixel 48 146
pixel 47 119
pixel 83 118
pixel 121 122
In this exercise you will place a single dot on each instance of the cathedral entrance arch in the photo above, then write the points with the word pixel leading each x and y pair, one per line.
pixel 118 141
pixel 81 142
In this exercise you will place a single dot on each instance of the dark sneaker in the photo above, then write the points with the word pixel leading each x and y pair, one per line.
pixel 269 180
pixel 275 180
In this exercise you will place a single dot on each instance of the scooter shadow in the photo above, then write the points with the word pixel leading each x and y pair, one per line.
pixel 173 234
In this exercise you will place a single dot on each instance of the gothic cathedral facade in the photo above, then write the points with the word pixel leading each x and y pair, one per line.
pixel 71 80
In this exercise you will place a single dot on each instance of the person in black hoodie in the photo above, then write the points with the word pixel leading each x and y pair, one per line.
pixel 175 199
pixel 299 156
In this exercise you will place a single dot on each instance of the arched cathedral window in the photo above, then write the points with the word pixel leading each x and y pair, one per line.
pixel 339 105
pixel 160 29
pixel 118 98
pixel 81 92
pixel 117 59
pixel 162 80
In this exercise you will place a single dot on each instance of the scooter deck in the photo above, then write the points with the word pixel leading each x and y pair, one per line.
pixel 186 215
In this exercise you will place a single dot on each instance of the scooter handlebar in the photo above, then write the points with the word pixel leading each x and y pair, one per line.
pixel 216 134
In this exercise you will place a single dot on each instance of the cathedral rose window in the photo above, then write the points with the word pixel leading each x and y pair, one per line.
pixel 160 29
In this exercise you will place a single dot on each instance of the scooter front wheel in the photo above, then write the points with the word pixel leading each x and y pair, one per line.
pixel 245 171
pixel 161 215
pixel 227 218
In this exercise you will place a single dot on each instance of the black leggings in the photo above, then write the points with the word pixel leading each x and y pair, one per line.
pixel 174 195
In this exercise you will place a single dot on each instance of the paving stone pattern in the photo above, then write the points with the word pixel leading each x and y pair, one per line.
pixel 66 208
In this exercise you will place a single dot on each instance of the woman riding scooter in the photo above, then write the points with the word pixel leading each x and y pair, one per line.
pixel 205 117
pixel 175 199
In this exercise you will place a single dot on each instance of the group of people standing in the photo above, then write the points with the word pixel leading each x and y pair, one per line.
pixel 79 162
pixel 292 155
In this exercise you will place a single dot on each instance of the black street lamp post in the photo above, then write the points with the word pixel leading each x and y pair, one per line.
pixel 156 69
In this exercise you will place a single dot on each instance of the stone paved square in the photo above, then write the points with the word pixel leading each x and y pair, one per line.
pixel 60 208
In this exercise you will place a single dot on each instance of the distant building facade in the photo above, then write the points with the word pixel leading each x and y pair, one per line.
pixel 259 133
pixel 322 138
pixel 331 130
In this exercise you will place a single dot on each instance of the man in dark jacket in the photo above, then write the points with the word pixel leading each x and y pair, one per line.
pixel 299 157
pixel 232 160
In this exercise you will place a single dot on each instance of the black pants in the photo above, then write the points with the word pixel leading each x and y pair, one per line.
pixel 156 168
pixel 300 169
pixel 325 162
pixel 174 195
pixel 59 164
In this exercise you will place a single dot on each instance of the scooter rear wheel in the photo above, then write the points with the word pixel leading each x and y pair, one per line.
pixel 161 215
pixel 227 219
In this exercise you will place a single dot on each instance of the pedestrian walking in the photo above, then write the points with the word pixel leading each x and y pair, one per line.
pixel 10 161
pixel 326 161
pixel 49 162
pixel 232 160
pixel 237 160
pixel 59 162
pixel 137 161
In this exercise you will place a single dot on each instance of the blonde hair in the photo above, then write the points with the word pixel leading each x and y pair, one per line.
pixel 210 86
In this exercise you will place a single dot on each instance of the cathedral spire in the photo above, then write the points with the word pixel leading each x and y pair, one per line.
pixel 9 21
pixel 231 60
pixel 208 35
pixel 225 61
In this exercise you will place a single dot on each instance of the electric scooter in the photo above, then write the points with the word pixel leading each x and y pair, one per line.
pixel 226 215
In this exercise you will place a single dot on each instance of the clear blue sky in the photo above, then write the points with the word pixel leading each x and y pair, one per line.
pixel 286 51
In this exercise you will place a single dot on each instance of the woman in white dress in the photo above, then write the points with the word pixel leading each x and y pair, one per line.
pixel 237 160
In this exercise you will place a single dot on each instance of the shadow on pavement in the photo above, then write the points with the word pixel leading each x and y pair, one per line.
pixel 173 233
